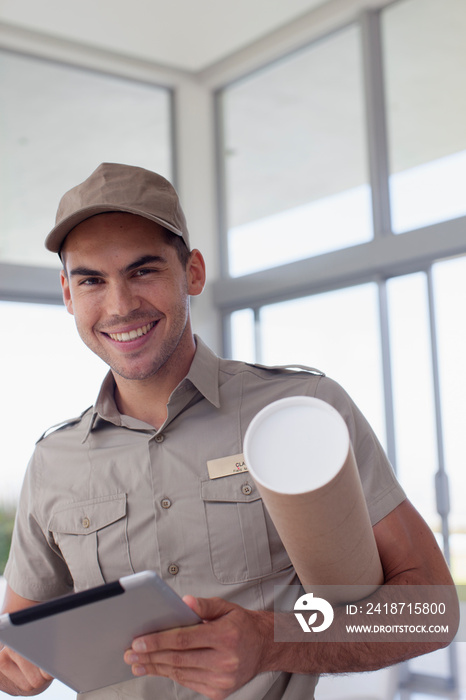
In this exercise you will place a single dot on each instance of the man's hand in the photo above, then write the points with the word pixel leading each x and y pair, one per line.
pixel 214 658
pixel 19 676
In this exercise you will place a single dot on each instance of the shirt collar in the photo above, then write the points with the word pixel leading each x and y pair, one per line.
pixel 203 374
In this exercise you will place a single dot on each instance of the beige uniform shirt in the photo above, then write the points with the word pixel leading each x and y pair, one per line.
pixel 107 495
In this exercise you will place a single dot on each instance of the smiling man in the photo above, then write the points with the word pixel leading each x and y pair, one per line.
pixel 129 291
pixel 126 486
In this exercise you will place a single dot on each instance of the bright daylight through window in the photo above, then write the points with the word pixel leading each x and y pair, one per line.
pixel 294 160
pixel 58 124
pixel 296 186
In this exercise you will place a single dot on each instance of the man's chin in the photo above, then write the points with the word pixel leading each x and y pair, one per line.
pixel 136 371
pixel 134 375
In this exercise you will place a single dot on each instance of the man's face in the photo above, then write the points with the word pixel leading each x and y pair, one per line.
pixel 129 293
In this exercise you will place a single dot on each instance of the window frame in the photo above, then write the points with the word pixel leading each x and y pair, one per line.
pixel 388 255
pixel 39 283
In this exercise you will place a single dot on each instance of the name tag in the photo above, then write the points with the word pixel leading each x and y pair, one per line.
pixel 225 466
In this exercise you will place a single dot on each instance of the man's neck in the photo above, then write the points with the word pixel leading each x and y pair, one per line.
pixel 147 399
pixel 146 403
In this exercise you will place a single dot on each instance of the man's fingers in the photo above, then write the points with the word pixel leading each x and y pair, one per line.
pixel 46 676
pixel 34 675
pixel 22 675
pixel 215 657
pixel 219 684
pixel 204 659
pixel 183 638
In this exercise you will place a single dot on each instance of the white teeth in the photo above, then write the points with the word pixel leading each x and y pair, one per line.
pixel 136 333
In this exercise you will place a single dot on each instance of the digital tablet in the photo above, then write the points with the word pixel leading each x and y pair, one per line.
pixel 81 638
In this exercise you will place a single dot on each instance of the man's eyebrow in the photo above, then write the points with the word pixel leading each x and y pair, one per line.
pixel 85 272
pixel 145 260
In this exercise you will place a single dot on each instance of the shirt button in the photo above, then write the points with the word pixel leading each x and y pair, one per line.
pixel 173 569
pixel 85 523
pixel 165 503
pixel 246 489
pixel 159 438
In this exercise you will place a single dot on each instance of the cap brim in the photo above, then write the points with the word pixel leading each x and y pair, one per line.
pixel 54 240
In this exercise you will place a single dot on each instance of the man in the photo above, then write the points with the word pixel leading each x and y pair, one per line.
pixel 125 487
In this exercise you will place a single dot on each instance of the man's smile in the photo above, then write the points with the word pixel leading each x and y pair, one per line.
pixel 126 336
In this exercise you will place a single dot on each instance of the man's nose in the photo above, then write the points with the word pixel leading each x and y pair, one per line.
pixel 120 299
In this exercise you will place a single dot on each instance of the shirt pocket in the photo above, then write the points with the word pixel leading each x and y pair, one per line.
pixel 93 539
pixel 243 542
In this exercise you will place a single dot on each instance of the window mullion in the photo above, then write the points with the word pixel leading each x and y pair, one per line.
pixel 258 335
pixel 387 373
pixel 441 477
pixel 376 122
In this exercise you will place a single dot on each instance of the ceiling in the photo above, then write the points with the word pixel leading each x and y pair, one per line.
pixel 185 34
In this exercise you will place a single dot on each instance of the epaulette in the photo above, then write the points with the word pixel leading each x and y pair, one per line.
pixel 64 424
pixel 291 368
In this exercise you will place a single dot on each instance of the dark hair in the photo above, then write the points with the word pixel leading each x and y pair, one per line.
pixel 182 250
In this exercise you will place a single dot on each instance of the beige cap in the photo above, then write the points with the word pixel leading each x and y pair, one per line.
pixel 116 187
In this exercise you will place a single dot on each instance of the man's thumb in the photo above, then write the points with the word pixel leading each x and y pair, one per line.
pixel 208 608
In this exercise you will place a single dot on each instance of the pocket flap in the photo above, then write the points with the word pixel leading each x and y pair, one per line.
pixel 86 517
pixel 239 488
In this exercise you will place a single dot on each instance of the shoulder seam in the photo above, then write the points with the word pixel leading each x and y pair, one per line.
pixel 290 369
pixel 63 424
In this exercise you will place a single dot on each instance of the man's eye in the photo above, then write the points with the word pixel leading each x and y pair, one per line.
pixel 144 271
pixel 90 281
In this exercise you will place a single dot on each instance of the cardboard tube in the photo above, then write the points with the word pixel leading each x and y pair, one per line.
pixel 299 454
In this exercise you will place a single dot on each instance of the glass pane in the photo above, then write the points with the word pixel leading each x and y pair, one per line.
pixel 243 346
pixel 56 125
pixel 450 293
pixel 295 161
pixel 413 395
pixel 47 375
pixel 425 61
pixel 338 333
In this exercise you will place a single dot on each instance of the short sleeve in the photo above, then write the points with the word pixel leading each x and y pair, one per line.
pixel 35 569
pixel 382 491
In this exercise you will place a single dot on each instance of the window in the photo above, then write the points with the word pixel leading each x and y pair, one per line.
pixel 47 375
pixel 414 60
pixel 449 281
pixel 243 335
pixel 427 342
pixel 425 64
pixel 57 125
pixel 335 332
pixel 378 316
pixel 341 333
pixel 295 162
pixel 414 401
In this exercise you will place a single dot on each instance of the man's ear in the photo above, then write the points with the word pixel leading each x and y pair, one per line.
pixel 65 288
pixel 195 273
